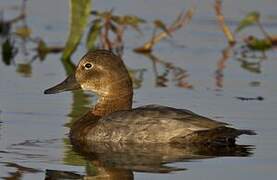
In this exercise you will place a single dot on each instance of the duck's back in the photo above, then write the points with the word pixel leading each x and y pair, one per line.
pixel 160 124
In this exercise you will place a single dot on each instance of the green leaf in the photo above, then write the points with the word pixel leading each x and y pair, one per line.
pixel 250 19
pixel 129 20
pixel 258 44
pixel 80 11
pixel 105 14
pixel 132 20
pixel 93 33
pixel 159 24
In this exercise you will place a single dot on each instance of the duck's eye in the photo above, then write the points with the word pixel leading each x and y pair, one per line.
pixel 88 66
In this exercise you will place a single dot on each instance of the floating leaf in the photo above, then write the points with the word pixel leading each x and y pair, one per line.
pixel 250 19
pixel 93 33
pixel 159 24
pixel 80 11
pixel 258 44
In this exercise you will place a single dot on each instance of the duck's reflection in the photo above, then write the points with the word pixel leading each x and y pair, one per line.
pixel 120 161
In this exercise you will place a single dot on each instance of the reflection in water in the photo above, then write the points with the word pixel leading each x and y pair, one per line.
pixel 17 40
pixel 253 67
pixel 24 69
pixel 8 51
pixel 179 74
pixel 56 175
pixel 120 161
pixel 252 64
pixel 136 76
pixel 19 171
pixel 79 107
pixel 221 64
pixel 0 124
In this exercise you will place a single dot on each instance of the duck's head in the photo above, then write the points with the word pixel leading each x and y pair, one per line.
pixel 100 71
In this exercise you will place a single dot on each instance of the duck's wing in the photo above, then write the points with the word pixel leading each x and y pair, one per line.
pixel 163 115
pixel 184 115
pixel 152 123
pixel 161 124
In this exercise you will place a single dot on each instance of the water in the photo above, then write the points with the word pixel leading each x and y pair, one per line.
pixel 33 126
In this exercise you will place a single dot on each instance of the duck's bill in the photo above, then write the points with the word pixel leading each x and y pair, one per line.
pixel 69 84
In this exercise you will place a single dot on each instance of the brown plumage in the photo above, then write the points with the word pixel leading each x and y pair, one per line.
pixel 112 119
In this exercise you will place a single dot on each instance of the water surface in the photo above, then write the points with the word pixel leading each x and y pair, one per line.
pixel 34 127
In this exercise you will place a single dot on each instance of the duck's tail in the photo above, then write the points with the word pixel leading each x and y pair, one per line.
pixel 217 136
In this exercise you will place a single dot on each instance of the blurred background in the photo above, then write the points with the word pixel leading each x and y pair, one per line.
pixel 216 58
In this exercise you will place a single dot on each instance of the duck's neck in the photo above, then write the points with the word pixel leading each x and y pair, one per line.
pixel 108 104
pixel 115 99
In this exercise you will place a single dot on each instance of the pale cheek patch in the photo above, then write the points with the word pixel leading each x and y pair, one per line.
pixel 85 87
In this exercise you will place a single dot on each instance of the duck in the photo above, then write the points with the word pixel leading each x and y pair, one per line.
pixel 112 119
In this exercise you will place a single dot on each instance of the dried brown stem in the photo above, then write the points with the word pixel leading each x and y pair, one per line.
pixel 118 41
pixel 181 21
pixel 221 20
pixel 107 43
